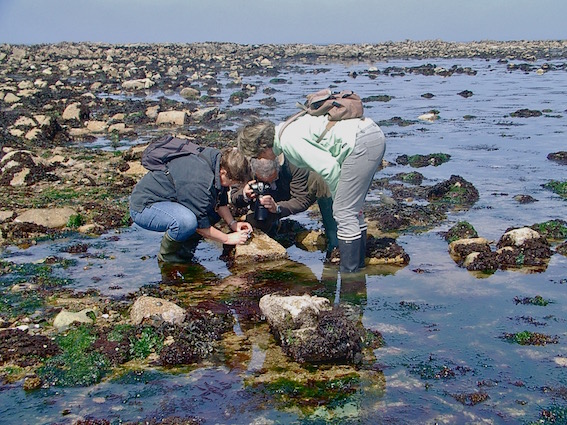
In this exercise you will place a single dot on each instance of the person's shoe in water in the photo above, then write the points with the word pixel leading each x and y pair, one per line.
pixel 168 250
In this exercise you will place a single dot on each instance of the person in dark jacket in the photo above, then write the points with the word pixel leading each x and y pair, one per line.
pixel 187 202
pixel 290 190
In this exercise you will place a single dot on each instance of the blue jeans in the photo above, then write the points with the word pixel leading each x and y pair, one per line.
pixel 357 172
pixel 179 221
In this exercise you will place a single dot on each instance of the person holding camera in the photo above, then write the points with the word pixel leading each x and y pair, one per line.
pixel 189 199
pixel 281 189
pixel 346 155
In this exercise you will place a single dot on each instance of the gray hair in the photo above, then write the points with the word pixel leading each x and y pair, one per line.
pixel 264 168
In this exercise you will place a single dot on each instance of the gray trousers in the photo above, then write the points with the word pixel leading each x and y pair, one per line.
pixel 357 172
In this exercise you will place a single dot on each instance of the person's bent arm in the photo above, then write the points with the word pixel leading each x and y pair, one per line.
pixel 236 238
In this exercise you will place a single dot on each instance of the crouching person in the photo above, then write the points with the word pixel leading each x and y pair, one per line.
pixel 187 199
pixel 281 189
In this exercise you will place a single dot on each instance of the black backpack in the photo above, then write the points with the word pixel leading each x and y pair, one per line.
pixel 159 152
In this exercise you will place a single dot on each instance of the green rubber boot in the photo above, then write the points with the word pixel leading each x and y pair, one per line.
pixel 168 250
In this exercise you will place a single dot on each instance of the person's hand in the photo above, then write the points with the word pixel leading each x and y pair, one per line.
pixel 243 225
pixel 268 202
pixel 247 190
pixel 237 238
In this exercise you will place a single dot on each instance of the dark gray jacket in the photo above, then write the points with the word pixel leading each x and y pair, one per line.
pixel 196 185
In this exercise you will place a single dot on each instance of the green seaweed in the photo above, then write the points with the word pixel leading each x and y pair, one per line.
pixel 558 187
pixel 78 365
pixel 145 342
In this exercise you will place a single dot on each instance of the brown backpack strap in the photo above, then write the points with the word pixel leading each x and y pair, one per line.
pixel 291 119
pixel 329 125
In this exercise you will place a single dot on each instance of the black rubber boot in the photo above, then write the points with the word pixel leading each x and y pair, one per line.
pixel 364 235
pixel 350 255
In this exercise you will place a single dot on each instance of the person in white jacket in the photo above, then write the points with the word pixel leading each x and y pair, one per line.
pixel 346 156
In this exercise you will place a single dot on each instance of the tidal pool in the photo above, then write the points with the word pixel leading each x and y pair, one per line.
pixel 445 358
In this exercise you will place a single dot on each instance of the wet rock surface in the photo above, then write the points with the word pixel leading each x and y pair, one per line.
pixel 309 329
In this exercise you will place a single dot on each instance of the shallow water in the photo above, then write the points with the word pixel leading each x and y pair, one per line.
pixel 431 313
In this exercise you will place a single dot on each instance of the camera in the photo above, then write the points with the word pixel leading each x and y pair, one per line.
pixel 260 189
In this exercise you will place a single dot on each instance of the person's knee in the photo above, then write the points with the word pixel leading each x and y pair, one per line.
pixel 183 227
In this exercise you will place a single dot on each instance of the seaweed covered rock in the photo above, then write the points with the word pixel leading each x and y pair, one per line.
pixel 455 191
pixel 385 251
pixel 23 168
pixel 401 217
pixel 560 157
pixel 552 229
pixel 418 161
pixel 561 249
pixel 460 249
pixel 23 349
pixel 486 261
pixel 310 330
pixel 196 338
pixel 461 230
pixel 523 247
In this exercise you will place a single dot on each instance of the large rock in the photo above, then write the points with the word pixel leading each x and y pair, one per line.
pixel 147 307
pixel 260 248
pixel 461 248
pixel 523 247
pixel 310 330
pixel 54 218
pixel 190 93
pixel 171 117
pixel 138 84
pixel 65 318
pixel 72 112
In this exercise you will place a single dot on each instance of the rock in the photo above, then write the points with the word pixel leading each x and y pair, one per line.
pixel 518 237
pixel 284 312
pixel 72 112
pixel 146 307
pixel 22 168
pixel 381 251
pixel 65 318
pixel 139 84
pixel 259 248
pixel 5 215
pixel 523 247
pixel 205 114
pixel 461 248
pixel 310 330
pixel 11 98
pixel 429 116
pixel 171 117
pixel 96 126
pixel 54 218
pixel 560 157
pixel 190 93
pixel 152 112
pixel 311 240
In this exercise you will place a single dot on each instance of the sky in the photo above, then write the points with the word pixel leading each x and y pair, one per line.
pixel 279 21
